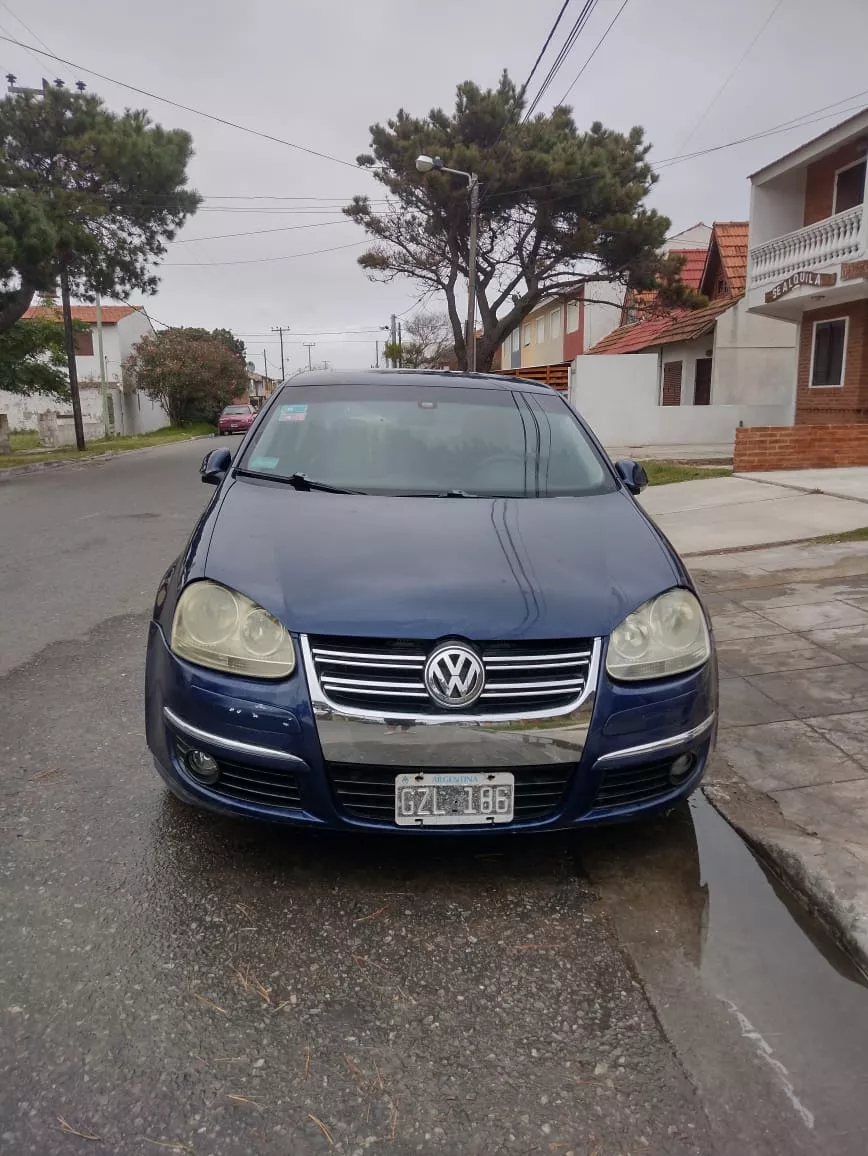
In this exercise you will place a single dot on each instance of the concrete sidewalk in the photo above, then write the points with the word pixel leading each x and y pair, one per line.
pixel 844 482
pixel 731 513
pixel 691 452
pixel 791 769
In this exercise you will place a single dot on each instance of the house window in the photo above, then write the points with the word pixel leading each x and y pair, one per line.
pixel 84 344
pixel 504 353
pixel 572 316
pixel 828 355
pixel 515 343
pixel 526 335
pixel 849 187
pixel 540 330
pixel 671 394
pixel 555 323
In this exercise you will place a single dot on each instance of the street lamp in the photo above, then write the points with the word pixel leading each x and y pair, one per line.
pixel 425 164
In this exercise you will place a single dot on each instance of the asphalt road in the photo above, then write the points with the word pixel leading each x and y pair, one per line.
pixel 171 981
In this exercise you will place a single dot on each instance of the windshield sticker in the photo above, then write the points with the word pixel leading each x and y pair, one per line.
pixel 292 413
pixel 264 463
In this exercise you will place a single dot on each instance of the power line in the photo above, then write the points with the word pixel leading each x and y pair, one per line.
pixel 281 197
pixel 521 92
pixel 786 127
pixel 355 331
pixel 274 341
pixel 310 211
pixel 801 121
pixel 188 108
pixel 594 51
pixel 262 212
pixel 572 36
pixel 542 51
pixel 28 29
pixel 262 260
pixel 259 232
pixel 26 47
pixel 733 71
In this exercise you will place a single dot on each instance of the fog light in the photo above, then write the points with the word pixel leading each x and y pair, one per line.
pixel 203 766
pixel 681 769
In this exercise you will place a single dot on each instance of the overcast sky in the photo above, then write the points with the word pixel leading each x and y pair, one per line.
pixel 319 72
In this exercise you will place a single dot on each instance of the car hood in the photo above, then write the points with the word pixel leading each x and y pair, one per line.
pixel 485 569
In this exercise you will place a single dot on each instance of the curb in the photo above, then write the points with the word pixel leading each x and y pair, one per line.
pixel 95 459
pixel 817 871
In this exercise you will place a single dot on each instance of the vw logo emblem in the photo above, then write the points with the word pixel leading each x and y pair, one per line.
pixel 454 675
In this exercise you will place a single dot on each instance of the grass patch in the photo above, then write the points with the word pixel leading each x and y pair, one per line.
pixel 664 473
pixel 25 441
pixel 860 535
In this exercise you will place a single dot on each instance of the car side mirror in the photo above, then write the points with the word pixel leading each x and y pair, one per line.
pixel 215 466
pixel 632 474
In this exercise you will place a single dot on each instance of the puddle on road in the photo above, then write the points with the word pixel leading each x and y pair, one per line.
pixel 688 890
pixel 783 977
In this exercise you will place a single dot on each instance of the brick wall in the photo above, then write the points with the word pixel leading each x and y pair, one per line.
pixel 846 403
pixel 800 447
pixel 671 383
pixel 820 181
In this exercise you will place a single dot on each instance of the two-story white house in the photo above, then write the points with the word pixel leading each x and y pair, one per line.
pixel 130 410
pixel 808 264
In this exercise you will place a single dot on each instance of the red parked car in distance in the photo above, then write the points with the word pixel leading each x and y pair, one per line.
pixel 236 419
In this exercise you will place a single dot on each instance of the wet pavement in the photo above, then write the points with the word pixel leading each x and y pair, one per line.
pixel 173 981
pixel 792 765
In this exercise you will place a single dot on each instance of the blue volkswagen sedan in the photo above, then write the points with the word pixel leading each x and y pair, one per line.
pixel 427 601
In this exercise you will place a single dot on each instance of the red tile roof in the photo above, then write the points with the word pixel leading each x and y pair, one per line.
pixel 681 325
pixel 689 324
pixel 691 275
pixel 632 338
pixel 731 240
pixel 691 272
pixel 111 314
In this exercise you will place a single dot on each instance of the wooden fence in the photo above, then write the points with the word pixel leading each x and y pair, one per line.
pixel 557 376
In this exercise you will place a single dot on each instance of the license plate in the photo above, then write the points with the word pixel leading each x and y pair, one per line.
pixel 438 798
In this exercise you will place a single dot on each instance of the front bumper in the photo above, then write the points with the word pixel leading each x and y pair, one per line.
pixel 606 761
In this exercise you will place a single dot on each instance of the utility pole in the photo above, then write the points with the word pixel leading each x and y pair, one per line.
pixel 20 91
pixel 309 345
pixel 400 348
pixel 471 274
pixel 393 337
pixel 102 375
pixel 280 329
pixel 265 369
pixel 376 355
pixel 424 164
pixel 70 358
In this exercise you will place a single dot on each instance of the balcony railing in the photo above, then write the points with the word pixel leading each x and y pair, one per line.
pixel 827 242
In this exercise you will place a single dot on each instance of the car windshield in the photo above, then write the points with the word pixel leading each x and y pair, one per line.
pixel 236 409
pixel 431 440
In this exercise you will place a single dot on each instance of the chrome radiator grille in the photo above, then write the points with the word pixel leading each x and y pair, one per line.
pixel 388 675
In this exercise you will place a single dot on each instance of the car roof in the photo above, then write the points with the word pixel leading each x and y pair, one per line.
pixel 420 377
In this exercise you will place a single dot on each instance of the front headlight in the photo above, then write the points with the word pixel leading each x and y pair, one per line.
pixel 668 635
pixel 220 628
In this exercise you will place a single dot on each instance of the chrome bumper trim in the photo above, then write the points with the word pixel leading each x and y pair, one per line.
pixel 356 734
pixel 661 744
pixel 234 745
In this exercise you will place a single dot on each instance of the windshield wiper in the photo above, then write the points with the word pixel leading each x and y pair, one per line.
pixel 297 481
